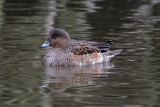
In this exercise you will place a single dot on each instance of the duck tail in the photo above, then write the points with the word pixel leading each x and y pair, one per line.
pixel 109 54
pixel 110 42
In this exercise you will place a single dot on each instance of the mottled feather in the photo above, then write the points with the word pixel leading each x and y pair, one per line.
pixel 102 46
pixel 67 51
pixel 84 49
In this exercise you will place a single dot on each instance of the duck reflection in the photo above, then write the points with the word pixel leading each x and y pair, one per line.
pixel 59 79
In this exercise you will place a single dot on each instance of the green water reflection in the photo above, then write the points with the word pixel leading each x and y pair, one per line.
pixel 129 80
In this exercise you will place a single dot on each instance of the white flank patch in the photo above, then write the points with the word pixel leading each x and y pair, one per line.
pixel 100 57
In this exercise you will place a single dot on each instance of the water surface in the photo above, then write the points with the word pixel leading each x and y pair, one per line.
pixel 130 79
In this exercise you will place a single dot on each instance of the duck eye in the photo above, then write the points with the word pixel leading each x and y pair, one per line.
pixel 54 36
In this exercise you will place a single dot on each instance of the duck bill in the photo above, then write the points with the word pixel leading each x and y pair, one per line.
pixel 46 44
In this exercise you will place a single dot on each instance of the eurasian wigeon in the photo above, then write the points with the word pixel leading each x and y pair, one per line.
pixel 67 51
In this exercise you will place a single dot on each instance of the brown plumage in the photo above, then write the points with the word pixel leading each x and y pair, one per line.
pixel 67 51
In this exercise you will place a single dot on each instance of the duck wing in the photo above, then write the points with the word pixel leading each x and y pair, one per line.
pixel 102 46
pixel 84 48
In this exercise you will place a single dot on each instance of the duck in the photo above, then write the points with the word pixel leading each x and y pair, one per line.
pixel 67 51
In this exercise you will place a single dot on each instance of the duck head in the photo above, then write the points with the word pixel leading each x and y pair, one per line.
pixel 57 38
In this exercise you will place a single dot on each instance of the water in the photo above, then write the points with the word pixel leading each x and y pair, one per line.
pixel 129 80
